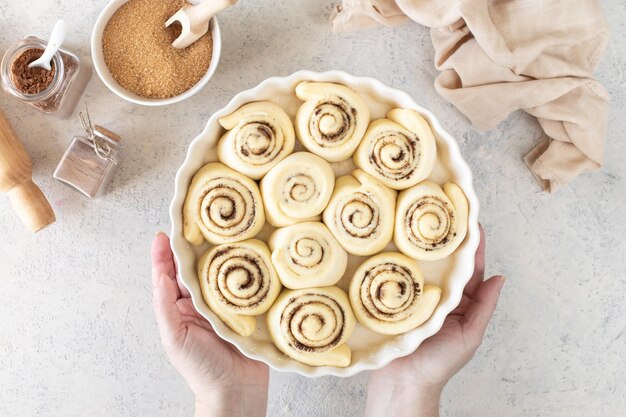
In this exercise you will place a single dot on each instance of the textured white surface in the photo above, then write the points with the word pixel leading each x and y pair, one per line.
pixel 78 335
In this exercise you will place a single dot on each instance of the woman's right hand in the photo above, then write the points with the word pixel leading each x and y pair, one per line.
pixel 411 386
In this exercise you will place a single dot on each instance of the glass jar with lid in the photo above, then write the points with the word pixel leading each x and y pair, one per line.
pixel 56 91
pixel 91 159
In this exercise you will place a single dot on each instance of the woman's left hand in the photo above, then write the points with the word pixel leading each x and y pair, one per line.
pixel 225 382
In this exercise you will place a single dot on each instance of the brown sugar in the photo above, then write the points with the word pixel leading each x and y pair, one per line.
pixel 138 52
pixel 31 80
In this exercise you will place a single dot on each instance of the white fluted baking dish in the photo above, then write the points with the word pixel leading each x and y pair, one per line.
pixel 369 350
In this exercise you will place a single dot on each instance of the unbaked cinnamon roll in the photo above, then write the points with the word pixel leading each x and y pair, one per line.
pixel 332 120
pixel 360 213
pixel 312 325
pixel 388 294
pixel 260 135
pixel 238 282
pixel 307 255
pixel 297 189
pixel 431 222
pixel 222 206
pixel 399 151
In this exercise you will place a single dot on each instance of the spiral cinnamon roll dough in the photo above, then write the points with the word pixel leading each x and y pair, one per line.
pixel 297 189
pixel 399 151
pixel 307 255
pixel 388 295
pixel 431 222
pixel 238 282
pixel 360 213
pixel 221 206
pixel 312 325
pixel 332 120
pixel 260 134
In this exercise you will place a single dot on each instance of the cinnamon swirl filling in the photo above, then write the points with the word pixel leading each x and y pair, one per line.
pixel 307 252
pixel 399 151
pixel 395 155
pixel 332 122
pixel 312 325
pixel 430 222
pixel 313 322
pixel 298 188
pixel 228 208
pixel 388 294
pixel 361 213
pixel 307 255
pixel 222 206
pixel 257 142
pixel 238 278
pixel 301 188
pixel 260 134
pixel 359 216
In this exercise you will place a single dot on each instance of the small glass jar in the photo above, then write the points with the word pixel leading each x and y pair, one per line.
pixel 89 162
pixel 67 84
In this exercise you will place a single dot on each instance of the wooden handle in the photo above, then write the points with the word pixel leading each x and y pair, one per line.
pixel 31 206
pixel 15 163
pixel 16 179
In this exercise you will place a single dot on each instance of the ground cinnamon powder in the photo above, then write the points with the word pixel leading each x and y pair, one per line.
pixel 139 54
pixel 30 80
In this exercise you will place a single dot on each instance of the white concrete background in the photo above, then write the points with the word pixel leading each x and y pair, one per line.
pixel 77 333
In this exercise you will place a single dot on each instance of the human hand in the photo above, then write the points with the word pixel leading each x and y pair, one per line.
pixel 411 386
pixel 225 382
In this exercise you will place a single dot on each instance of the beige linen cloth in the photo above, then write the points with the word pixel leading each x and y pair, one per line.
pixel 498 56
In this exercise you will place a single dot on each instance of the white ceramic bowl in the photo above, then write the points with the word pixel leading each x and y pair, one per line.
pixel 369 350
pixel 108 80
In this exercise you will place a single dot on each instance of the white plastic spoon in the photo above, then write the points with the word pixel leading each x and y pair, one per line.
pixel 56 39
pixel 194 20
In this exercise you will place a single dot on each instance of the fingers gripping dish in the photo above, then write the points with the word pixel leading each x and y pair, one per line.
pixel 238 282
pixel 399 151
pixel 221 206
pixel 431 222
pixel 388 295
pixel 297 189
pixel 312 325
pixel 360 213
pixel 260 134
pixel 307 255
pixel 332 120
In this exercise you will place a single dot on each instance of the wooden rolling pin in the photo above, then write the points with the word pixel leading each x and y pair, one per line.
pixel 16 170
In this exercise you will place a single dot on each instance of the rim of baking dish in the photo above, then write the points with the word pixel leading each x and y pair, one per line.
pixel 399 346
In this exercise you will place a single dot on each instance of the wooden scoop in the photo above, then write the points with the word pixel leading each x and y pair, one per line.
pixel 194 20
pixel 16 169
